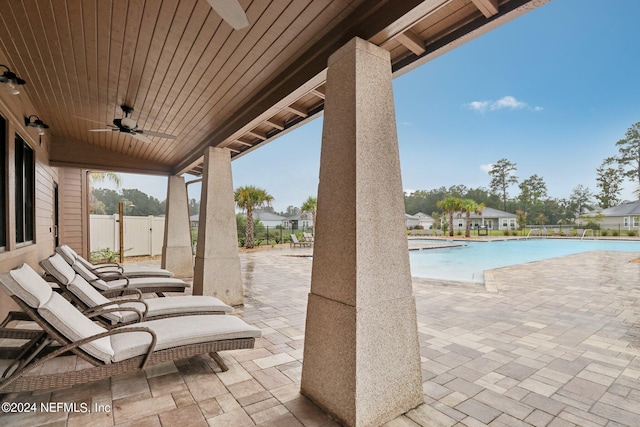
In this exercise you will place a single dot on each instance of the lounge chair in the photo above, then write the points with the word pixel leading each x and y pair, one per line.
pixel 111 352
pixel 308 237
pixel 115 280
pixel 72 256
pixel 295 242
pixel 125 309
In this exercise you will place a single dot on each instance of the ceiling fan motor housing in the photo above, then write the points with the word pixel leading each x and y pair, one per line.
pixel 128 123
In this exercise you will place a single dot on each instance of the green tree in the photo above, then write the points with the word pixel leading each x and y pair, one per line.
pixel 449 206
pixel 311 205
pixel 609 181
pixel 96 178
pixel 249 198
pixel 469 206
pixel 580 200
pixel 532 191
pixel 629 154
pixel 502 177
pixel 194 207
pixel 521 218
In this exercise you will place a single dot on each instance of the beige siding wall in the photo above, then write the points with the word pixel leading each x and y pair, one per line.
pixel 74 217
pixel 71 185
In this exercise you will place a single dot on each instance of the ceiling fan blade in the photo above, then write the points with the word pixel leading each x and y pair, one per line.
pixel 103 130
pixel 89 120
pixel 158 134
pixel 140 137
pixel 231 11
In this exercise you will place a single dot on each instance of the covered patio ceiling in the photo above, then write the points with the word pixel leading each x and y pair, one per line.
pixel 188 73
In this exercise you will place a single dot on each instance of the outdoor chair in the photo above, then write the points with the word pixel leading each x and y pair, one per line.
pixel 110 352
pixel 130 308
pixel 295 242
pixel 72 256
pixel 115 280
pixel 308 237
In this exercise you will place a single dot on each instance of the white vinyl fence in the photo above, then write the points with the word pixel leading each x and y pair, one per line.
pixel 143 235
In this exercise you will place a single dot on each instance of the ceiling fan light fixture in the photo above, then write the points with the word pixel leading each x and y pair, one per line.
pixel 11 80
pixel 37 124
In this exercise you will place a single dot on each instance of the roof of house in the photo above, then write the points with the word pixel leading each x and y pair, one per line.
pixel 623 209
pixel 488 212
pixel 268 216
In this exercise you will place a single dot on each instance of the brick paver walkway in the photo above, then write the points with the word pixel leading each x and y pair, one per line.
pixel 550 343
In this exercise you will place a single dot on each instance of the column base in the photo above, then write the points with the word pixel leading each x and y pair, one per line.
pixel 220 278
pixel 179 260
pixel 363 365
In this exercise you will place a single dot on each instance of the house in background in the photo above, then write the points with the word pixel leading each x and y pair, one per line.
pixel 493 219
pixel 269 219
pixel 625 216
pixel 420 219
pixel 301 221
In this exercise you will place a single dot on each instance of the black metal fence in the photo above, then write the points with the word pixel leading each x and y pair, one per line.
pixel 263 235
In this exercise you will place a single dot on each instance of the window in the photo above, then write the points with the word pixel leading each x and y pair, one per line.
pixel 25 189
pixel 635 221
pixel 626 221
pixel 3 183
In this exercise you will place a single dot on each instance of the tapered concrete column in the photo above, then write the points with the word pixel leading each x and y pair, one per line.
pixel 361 354
pixel 177 255
pixel 217 271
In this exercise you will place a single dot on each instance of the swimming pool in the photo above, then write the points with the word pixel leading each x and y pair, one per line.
pixel 467 263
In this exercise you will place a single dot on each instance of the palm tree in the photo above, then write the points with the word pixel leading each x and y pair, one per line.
pixel 248 198
pixel 470 206
pixel 449 205
pixel 97 177
pixel 311 205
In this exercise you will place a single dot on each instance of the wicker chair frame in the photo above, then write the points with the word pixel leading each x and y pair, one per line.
pixel 24 378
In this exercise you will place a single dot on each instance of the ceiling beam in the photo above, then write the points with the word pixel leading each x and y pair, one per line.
pixel 487 7
pixel 275 123
pixel 412 41
pixel 68 152
pixel 297 110
pixel 257 134
pixel 319 92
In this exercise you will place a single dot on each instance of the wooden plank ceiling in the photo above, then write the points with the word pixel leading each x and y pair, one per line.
pixel 187 73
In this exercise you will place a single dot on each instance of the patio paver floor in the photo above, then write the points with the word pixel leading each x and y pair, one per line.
pixel 557 345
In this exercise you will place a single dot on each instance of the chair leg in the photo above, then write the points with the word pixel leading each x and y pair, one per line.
pixel 216 358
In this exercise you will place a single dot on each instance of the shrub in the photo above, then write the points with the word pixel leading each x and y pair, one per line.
pixel 632 233
pixel 604 233
pixel 506 232
pixel 242 241
pixel 104 255
pixel 614 233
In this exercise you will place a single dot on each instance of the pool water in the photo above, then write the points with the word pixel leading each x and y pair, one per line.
pixel 467 263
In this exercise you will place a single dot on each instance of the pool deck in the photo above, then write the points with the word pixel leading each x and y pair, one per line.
pixel 557 343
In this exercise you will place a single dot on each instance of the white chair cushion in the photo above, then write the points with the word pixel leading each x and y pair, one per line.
pixel 91 297
pixel 179 331
pixel 59 268
pixel 67 253
pixel 176 305
pixel 29 286
pixel 84 271
pixel 75 326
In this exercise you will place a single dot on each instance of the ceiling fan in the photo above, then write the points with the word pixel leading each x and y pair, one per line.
pixel 231 11
pixel 129 126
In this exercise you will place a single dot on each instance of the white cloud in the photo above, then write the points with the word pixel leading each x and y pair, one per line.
pixel 506 102
pixel 408 191
pixel 486 168
pixel 480 106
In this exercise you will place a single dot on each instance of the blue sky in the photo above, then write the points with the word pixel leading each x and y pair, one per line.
pixel 552 91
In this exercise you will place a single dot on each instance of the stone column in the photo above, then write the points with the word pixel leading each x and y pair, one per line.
pixel 177 255
pixel 217 271
pixel 361 353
